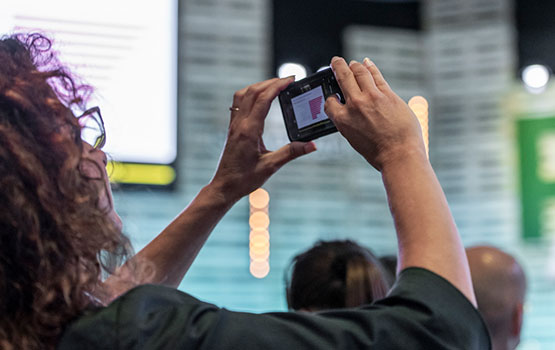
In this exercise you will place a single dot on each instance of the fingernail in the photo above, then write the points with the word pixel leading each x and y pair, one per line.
pixel 309 147
pixel 289 77
pixel 352 62
pixel 335 58
pixel 367 62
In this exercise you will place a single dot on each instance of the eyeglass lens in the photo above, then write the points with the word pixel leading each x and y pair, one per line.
pixel 92 131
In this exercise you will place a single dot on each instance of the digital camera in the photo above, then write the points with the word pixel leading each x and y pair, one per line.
pixel 302 105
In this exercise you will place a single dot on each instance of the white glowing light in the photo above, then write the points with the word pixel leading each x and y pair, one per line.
pixel 288 69
pixel 259 269
pixel 323 68
pixel 535 76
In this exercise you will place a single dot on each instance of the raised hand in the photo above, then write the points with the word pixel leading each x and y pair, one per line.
pixel 246 163
pixel 377 123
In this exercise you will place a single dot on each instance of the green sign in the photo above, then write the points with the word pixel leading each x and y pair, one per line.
pixel 536 138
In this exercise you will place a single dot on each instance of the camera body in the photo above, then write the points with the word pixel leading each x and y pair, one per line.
pixel 302 105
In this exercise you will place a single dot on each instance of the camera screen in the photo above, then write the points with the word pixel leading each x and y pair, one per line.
pixel 309 107
pixel 302 105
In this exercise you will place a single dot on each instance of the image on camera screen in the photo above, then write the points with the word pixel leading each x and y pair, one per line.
pixel 309 107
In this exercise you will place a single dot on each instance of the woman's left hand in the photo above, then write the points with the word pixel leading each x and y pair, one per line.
pixel 246 164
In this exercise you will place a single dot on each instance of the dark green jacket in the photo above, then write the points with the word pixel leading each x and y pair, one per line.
pixel 423 311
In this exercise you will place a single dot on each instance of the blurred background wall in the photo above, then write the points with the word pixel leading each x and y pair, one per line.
pixel 461 55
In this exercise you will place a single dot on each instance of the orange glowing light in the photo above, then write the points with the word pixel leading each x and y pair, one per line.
pixel 419 110
pixel 259 219
pixel 259 249
pixel 419 105
pixel 262 256
pixel 259 232
pixel 259 199
pixel 418 100
pixel 260 259
pixel 259 237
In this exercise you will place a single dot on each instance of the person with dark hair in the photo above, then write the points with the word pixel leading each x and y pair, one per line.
pixel 59 230
pixel 500 285
pixel 334 275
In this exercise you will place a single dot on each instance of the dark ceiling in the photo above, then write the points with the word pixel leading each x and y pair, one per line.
pixel 536 32
pixel 309 31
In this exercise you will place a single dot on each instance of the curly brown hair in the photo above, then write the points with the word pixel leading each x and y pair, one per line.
pixel 53 234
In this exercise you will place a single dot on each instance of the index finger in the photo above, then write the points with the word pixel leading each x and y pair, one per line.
pixel 345 77
pixel 254 90
pixel 263 101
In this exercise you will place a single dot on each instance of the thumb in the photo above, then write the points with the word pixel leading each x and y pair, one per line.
pixel 291 151
pixel 333 108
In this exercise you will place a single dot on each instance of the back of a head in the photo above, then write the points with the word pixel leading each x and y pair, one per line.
pixel 335 274
pixel 51 228
pixel 500 286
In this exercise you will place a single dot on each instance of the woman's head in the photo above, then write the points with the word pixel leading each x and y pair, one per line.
pixel 335 274
pixel 55 207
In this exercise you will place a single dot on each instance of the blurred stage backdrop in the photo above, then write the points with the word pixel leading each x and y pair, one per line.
pixel 491 138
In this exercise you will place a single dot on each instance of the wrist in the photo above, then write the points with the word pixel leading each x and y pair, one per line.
pixel 402 153
pixel 220 194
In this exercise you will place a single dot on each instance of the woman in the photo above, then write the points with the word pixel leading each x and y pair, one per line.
pixel 335 274
pixel 59 230
pixel 57 202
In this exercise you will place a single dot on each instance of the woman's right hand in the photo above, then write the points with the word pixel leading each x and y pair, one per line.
pixel 377 123
pixel 383 129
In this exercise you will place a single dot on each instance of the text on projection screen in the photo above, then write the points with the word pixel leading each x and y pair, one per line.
pixel 126 50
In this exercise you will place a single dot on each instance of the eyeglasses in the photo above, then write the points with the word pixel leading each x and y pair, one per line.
pixel 92 128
